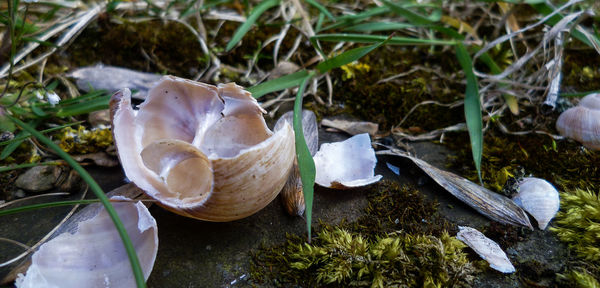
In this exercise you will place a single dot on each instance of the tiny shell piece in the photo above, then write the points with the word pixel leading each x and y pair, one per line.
pixel 93 254
pixel 489 250
pixel 539 198
pixel 346 164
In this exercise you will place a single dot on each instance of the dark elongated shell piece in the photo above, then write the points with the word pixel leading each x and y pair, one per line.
pixel 292 195
pixel 492 205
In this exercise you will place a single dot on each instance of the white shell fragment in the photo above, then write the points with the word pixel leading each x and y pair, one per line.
pixel 93 254
pixel 539 198
pixel 202 151
pixel 486 248
pixel 346 164
pixel 112 78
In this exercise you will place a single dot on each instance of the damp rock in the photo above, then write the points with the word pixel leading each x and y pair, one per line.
pixel 39 178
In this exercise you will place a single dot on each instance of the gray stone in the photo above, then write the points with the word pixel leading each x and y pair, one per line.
pixel 39 178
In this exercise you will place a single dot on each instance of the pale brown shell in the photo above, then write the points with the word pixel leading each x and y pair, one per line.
pixel 202 151
pixel 582 122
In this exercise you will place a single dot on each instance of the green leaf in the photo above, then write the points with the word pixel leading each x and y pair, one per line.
pixel 306 164
pixel 413 17
pixel 348 57
pixel 344 21
pixel 84 107
pixel 472 106
pixel 24 135
pixel 545 9
pixel 280 83
pixel 243 29
pixel 379 26
pixel 364 38
pixel 321 8
pixel 133 259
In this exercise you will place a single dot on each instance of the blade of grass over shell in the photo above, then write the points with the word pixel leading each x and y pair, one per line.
pixel 472 107
pixel 133 259
pixel 306 164
pixel 254 14
pixel 4 212
pixel 363 38
pixel 414 17
pixel 321 8
pixel 278 84
pixel 348 56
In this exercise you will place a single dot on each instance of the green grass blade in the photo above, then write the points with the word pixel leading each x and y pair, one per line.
pixel 84 107
pixel 278 84
pixel 306 164
pixel 362 38
pixel 413 17
pixel 379 26
pixel 12 146
pixel 27 165
pixel 348 57
pixel 344 21
pixel 321 8
pixel 4 212
pixel 243 29
pixel 26 135
pixel 545 9
pixel 472 107
pixel 133 259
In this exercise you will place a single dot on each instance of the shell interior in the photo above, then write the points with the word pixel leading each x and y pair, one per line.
pixel 539 198
pixel 346 164
pixel 202 151
pixel 486 248
pixel 70 259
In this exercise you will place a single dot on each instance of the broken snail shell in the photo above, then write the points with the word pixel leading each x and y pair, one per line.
pixel 582 122
pixel 539 198
pixel 202 151
pixel 90 252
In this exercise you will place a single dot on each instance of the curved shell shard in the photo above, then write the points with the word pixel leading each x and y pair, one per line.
pixel 222 163
pixel 582 122
pixel 346 164
pixel 539 198
pixel 69 260
pixel 485 247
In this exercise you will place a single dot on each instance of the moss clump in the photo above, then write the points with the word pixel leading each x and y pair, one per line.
pixel 83 141
pixel 394 207
pixel 341 259
pixel 578 223
pixel 563 163
pixel 579 279
pixel 370 250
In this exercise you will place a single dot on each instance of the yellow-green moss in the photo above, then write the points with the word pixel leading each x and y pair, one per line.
pixel 579 279
pixel 339 258
pixel 370 252
pixel 82 141
pixel 578 223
